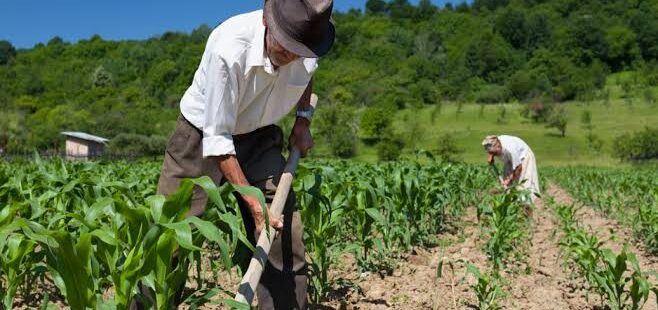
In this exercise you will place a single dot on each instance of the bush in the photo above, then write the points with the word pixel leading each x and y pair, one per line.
pixel 524 85
pixel 558 119
pixel 7 52
pixel 390 146
pixel 374 122
pixel 137 145
pixel 448 149
pixel 336 127
pixel 642 145
pixel 536 111
pixel 492 94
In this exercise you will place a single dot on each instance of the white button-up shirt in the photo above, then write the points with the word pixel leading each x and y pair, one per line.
pixel 236 89
pixel 515 151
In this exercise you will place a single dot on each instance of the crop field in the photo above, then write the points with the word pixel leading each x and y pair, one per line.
pixel 416 234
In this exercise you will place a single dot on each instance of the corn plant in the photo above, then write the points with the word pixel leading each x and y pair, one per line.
pixel 622 291
pixel 630 196
pixel 608 273
pixel 15 263
pixel 321 219
pixel 487 288
pixel 93 233
pixel 94 227
pixel 506 225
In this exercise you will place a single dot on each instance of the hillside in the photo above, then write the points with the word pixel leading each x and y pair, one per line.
pixel 394 57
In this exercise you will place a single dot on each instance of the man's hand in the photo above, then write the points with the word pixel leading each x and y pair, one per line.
pixel 301 136
pixel 258 216
pixel 230 168
pixel 490 159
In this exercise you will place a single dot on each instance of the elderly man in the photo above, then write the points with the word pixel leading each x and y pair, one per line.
pixel 518 159
pixel 255 68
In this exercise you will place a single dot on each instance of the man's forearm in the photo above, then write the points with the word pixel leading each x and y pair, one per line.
pixel 231 170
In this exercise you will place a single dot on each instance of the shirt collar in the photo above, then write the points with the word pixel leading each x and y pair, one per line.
pixel 256 56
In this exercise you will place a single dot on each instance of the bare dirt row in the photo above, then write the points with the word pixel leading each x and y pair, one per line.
pixel 539 281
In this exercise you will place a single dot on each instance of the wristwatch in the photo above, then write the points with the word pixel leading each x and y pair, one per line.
pixel 307 114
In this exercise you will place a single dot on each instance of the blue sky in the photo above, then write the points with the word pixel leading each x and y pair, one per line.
pixel 27 22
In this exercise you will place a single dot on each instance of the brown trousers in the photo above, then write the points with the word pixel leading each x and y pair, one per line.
pixel 284 281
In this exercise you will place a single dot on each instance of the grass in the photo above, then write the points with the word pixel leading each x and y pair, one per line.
pixel 471 125
pixel 610 118
pixel 475 122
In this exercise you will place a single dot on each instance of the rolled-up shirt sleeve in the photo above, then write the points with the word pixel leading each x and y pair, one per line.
pixel 221 108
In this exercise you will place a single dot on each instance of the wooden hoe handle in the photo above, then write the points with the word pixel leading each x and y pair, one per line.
pixel 251 278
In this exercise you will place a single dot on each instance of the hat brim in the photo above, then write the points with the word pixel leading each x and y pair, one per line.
pixel 298 48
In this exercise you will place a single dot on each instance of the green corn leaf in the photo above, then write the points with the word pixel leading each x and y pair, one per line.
pixel 105 235
pixel 235 304
pixel 183 235
pixel 155 204
pixel 212 233
pixel 376 215
pixel 166 246
pixel 178 204
pixel 71 263
pixel 97 208
pixel 212 190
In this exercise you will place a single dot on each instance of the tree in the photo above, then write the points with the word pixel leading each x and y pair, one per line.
pixel 558 120
pixel 7 52
pixel 593 140
pixel 539 31
pixel 336 128
pixel 587 39
pixel 101 78
pixel 489 57
pixel 11 131
pixel 645 25
pixel 390 147
pixel 200 34
pixel 536 111
pixel 622 47
pixel 512 26
pixel 374 122
pixel 447 147
pixel 641 145
pixel 401 9
pixel 426 9
pixel 374 7
pixel 128 144
pixel 489 4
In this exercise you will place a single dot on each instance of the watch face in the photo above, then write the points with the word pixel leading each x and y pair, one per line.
pixel 307 114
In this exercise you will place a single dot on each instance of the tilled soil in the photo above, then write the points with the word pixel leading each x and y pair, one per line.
pixel 414 283
pixel 614 235
pixel 544 284
pixel 539 282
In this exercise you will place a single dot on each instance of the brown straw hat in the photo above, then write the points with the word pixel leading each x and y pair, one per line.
pixel 302 27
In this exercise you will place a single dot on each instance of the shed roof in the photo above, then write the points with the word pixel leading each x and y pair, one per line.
pixel 85 136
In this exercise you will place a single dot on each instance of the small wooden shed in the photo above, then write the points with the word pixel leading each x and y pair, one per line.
pixel 80 145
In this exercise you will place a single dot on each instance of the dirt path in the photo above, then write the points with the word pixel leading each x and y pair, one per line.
pixel 414 284
pixel 614 235
pixel 543 284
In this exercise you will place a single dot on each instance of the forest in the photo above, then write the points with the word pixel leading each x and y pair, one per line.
pixel 392 56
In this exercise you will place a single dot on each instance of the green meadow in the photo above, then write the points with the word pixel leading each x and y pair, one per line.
pixel 474 122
